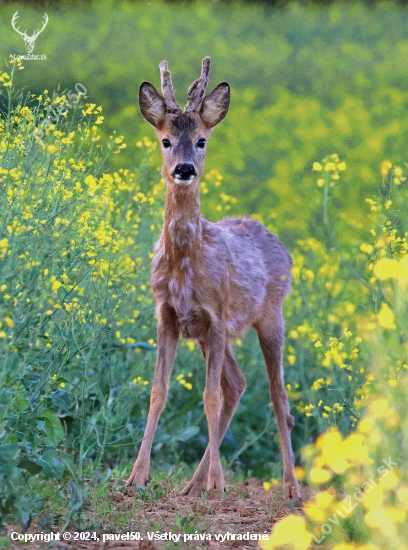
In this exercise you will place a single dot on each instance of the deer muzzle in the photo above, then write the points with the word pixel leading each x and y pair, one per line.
pixel 184 173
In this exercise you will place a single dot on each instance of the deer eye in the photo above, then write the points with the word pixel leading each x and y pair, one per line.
pixel 166 143
pixel 201 143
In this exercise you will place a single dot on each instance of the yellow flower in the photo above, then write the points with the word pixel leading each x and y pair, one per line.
pixel 386 317
pixel 367 248
pixel 365 425
pixel 317 384
pixel 389 269
pixel 267 485
pixel 317 166
pixel 314 512
pixel 300 473
pixel 324 499
pixel 385 168
pixel 355 449
pixel 318 475
pixel 390 480
pixel 9 322
pixel 331 445
pixel 292 529
pixel 56 285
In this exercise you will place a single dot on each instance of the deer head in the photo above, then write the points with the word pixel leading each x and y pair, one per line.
pixel 183 135
pixel 28 40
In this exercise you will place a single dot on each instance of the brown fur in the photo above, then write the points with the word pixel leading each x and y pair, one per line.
pixel 211 283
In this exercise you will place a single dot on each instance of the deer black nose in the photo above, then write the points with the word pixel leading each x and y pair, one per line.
pixel 184 171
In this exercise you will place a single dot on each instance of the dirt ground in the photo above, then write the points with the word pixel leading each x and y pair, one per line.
pixel 245 508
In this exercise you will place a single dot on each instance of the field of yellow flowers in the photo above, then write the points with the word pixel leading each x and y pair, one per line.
pixel 77 334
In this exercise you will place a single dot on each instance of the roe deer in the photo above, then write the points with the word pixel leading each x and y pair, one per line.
pixel 211 282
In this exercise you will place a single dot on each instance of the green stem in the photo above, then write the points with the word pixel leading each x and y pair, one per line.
pixel 326 200
pixel 332 236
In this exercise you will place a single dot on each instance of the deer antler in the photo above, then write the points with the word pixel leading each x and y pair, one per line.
pixel 43 27
pixel 13 22
pixel 167 89
pixel 197 89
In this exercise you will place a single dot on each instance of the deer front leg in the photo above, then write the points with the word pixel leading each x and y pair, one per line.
pixel 167 339
pixel 233 386
pixel 215 352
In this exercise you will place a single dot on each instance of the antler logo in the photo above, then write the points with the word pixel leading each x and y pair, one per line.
pixel 28 40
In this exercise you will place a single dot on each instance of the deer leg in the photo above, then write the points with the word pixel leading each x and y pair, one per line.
pixel 167 339
pixel 271 338
pixel 215 343
pixel 233 386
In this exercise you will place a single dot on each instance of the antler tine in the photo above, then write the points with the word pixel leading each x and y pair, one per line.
pixel 167 89
pixel 197 89
pixel 45 16
pixel 13 22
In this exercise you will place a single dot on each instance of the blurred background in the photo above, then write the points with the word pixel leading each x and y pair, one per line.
pixel 307 81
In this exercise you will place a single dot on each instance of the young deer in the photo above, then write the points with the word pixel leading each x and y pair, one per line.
pixel 211 282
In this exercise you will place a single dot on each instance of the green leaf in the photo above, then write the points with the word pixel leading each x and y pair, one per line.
pixel 21 404
pixel 29 466
pixel 52 466
pixel 53 427
pixel 8 453
pixel 188 433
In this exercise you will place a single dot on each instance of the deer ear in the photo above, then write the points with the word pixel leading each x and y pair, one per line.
pixel 152 105
pixel 215 105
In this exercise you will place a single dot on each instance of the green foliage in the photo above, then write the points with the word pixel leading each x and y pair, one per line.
pixel 77 332
pixel 306 81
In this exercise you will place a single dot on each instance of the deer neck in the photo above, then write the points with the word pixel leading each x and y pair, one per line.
pixel 182 225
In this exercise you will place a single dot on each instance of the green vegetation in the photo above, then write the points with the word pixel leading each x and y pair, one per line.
pixel 318 106
pixel 306 82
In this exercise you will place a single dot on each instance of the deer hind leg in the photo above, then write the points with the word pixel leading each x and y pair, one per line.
pixel 232 386
pixel 271 338
pixel 215 343
pixel 167 339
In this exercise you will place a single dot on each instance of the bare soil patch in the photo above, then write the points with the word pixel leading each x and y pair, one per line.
pixel 245 508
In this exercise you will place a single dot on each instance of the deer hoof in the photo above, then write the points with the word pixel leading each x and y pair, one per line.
pixel 137 479
pixel 193 489
pixel 292 490
pixel 216 483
